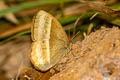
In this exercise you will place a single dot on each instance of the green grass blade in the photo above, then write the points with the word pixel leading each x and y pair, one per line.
pixel 27 5
pixel 15 36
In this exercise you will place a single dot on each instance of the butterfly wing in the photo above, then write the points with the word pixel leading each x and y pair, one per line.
pixel 49 41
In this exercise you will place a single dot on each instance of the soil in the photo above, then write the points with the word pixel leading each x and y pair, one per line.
pixel 97 57
pixel 14 55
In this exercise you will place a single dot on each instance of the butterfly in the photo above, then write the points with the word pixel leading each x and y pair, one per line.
pixel 50 42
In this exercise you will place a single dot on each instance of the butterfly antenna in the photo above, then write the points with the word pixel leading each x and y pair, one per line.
pixel 74 36
pixel 76 22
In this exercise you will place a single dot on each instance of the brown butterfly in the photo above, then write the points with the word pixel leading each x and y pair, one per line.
pixel 50 42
